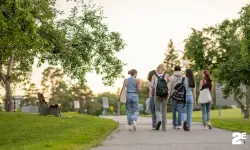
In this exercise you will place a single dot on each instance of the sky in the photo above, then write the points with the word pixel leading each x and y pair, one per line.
pixel 147 26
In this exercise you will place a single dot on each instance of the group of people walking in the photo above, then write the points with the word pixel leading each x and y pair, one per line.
pixel 178 89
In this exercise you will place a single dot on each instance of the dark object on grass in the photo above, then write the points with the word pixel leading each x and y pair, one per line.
pixel 197 108
pixel 44 109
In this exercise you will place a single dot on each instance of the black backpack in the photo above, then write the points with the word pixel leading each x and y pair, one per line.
pixel 179 93
pixel 162 86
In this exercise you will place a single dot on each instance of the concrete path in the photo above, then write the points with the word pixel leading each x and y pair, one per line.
pixel 147 139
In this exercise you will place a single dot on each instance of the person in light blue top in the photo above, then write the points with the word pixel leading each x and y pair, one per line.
pixel 189 83
pixel 133 85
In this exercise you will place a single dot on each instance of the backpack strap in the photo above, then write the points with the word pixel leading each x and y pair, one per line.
pixel 159 77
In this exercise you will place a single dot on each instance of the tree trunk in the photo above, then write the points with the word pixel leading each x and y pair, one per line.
pixel 246 113
pixel 242 107
pixel 6 79
pixel 9 101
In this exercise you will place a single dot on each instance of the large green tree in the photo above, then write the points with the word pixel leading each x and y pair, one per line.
pixel 171 57
pixel 79 44
pixel 235 73
pixel 20 23
pixel 224 50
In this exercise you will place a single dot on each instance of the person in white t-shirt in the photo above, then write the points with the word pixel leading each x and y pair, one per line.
pixel 150 95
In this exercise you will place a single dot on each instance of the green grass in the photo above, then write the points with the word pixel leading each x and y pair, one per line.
pixel 19 131
pixel 230 119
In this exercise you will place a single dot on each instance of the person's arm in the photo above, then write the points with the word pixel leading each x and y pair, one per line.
pixel 169 86
pixel 148 90
pixel 201 83
pixel 212 92
pixel 153 83
pixel 138 84
pixel 123 86
pixel 168 79
pixel 194 95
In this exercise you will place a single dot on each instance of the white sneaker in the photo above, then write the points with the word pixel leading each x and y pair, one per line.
pixel 130 128
pixel 178 127
pixel 134 125
pixel 205 128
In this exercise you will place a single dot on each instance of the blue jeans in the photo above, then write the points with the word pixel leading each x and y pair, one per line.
pixel 205 112
pixel 177 107
pixel 152 107
pixel 132 106
pixel 187 110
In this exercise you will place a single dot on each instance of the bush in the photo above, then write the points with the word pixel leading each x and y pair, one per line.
pixel 123 109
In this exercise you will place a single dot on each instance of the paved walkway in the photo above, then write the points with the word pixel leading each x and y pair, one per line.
pixel 147 139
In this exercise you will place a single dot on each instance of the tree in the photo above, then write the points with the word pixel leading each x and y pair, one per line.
pixel 89 46
pixel 79 44
pixel 84 94
pixel 52 77
pixel 31 94
pixel 113 99
pixel 236 71
pixel 20 23
pixel 224 50
pixel 62 94
pixel 171 57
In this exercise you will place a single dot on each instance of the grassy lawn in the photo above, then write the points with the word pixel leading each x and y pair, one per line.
pixel 20 131
pixel 230 119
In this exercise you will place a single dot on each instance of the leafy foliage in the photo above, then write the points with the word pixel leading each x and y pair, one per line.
pixel 89 45
pixel 113 99
pixel 79 44
pixel 31 94
pixel 224 50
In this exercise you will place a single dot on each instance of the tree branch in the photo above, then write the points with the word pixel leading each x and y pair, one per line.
pixel 10 65
pixel 239 102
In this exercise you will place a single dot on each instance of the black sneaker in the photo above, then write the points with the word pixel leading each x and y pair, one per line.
pixel 188 129
pixel 185 126
pixel 158 125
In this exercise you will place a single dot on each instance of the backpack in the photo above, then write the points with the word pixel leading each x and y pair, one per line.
pixel 162 86
pixel 179 93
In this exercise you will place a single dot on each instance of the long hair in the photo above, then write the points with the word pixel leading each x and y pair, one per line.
pixel 161 67
pixel 207 75
pixel 150 75
pixel 190 76
pixel 208 79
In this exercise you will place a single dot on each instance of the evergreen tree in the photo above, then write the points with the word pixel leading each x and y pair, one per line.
pixel 171 58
